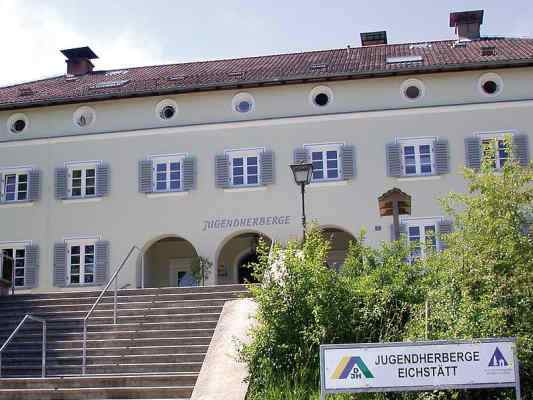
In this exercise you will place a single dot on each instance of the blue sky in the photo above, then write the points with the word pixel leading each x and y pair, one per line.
pixel 140 32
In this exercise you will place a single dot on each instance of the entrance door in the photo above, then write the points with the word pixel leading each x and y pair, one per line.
pixel 245 270
pixel 180 274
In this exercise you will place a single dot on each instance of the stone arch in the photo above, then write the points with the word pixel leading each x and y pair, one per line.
pixel 233 251
pixel 340 239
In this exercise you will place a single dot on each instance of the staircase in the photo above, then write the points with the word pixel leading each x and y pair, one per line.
pixel 155 351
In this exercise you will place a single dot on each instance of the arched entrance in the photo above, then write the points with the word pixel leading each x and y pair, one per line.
pixel 339 244
pixel 167 263
pixel 235 257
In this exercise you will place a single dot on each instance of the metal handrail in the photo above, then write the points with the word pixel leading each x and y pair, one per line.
pixel 2 255
pixel 88 315
pixel 10 338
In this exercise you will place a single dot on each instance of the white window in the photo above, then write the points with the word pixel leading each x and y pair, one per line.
pixel 82 179
pixel 422 235
pixel 497 140
pixel 417 156
pixel 81 261
pixel 168 173
pixel 326 161
pixel 17 260
pixel 244 167
pixel 14 185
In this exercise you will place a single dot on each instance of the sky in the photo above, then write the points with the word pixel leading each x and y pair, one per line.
pixel 139 32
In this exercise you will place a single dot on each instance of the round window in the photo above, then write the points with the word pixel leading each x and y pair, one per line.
pixel 412 89
pixel 84 117
pixel 243 103
pixel 167 112
pixel 166 109
pixel 321 99
pixel 490 84
pixel 17 123
pixel 320 96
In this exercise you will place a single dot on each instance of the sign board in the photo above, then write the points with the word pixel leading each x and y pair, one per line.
pixel 410 366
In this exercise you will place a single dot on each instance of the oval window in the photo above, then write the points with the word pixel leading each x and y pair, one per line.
pixel 166 110
pixel 17 123
pixel 321 96
pixel 412 89
pixel 243 103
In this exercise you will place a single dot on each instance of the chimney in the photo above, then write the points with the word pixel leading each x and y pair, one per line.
pixel 79 60
pixel 373 38
pixel 467 24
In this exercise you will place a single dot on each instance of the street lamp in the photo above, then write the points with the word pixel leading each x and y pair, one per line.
pixel 302 176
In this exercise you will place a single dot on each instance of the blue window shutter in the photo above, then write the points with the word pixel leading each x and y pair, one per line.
pixel 521 149
pixel 60 264
pixel 61 184
pixel 473 153
pixel 146 171
pixel 403 231
pixel 189 173
pixel 101 252
pixel 34 187
pixel 394 159
pixel 348 162
pixel 445 227
pixel 267 167
pixel 300 155
pixel 103 177
pixel 31 266
pixel 442 157
pixel 222 171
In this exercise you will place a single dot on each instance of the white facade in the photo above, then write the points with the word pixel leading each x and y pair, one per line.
pixel 366 115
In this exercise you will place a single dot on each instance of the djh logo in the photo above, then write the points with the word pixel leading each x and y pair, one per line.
pixel 352 367
pixel 497 359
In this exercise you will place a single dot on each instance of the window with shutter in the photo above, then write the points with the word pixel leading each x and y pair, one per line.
pixel 81 262
pixel 417 156
pixel 14 260
pixel 83 182
pixel 244 167
pixel 326 160
pixel 422 234
pixel 15 185
pixel 168 173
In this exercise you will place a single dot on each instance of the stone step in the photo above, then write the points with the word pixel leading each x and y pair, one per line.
pixel 104 359
pixel 111 351
pixel 75 369
pixel 88 381
pixel 16 308
pixel 149 311
pixel 130 392
pixel 200 290
pixel 35 336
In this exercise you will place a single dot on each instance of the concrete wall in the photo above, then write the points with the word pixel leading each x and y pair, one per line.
pixel 127 217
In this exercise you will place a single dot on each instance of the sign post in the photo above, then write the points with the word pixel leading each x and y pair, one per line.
pixel 419 366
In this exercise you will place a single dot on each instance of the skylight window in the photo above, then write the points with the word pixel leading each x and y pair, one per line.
pixel 176 78
pixel 420 46
pixel 236 74
pixel 27 91
pixel 117 72
pixel 403 59
pixel 110 84
pixel 318 66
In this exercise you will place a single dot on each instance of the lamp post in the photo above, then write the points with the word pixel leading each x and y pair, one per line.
pixel 302 176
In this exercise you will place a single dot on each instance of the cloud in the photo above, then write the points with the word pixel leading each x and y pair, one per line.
pixel 32 38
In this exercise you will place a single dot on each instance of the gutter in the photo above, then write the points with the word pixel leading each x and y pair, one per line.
pixel 298 79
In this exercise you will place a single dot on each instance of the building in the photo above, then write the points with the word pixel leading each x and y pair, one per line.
pixel 192 159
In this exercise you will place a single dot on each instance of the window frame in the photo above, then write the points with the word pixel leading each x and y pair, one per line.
pixel 422 224
pixel 82 273
pixel 83 167
pixel 17 172
pixel 416 142
pixel 14 247
pixel 499 136
pixel 244 154
pixel 167 159
pixel 324 148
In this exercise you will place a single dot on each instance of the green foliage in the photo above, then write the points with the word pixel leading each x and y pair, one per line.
pixel 200 269
pixel 369 300
pixel 480 286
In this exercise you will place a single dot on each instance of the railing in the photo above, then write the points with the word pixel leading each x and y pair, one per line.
pixel 115 297
pixel 10 338
pixel 2 256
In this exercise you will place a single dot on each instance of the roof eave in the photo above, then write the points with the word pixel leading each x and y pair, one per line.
pixel 271 82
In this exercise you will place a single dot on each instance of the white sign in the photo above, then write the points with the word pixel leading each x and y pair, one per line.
pixel 374 367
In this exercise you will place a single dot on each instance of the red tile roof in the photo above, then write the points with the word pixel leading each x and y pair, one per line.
pixel 353 63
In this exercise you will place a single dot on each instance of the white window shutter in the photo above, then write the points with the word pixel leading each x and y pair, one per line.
pixel 146 176
pixel 473 153
pixel 101 253
pixel 31 266
pixel 348 162
pixel 189 173
pixel 61 183
pixel 103 177
pixel 60 264
pixel 442 156
pixel 267 167
pixel 222 178
pixel 394 159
